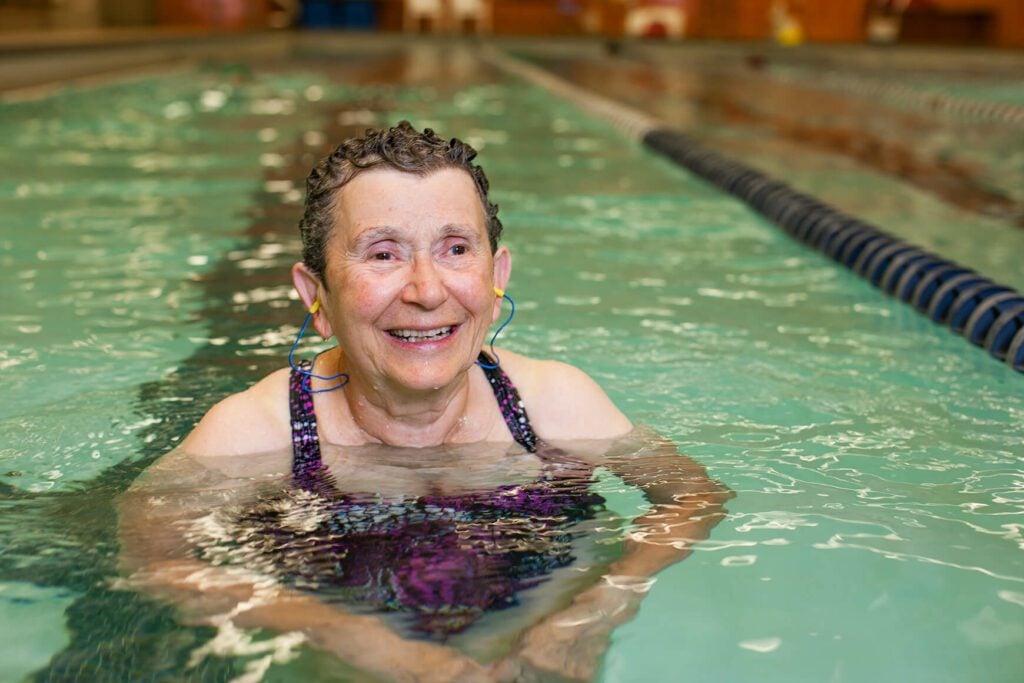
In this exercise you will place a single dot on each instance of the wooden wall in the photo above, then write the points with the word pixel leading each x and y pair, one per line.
pixel 996 23
pixel 729 19
pixel 1008 24
pixel 510 17
pixel 223 14
pixel 825 21
pixel 535 17
pixel 844 20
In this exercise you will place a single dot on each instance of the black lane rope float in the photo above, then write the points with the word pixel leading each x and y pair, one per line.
pixel 986 313
pixel 954 106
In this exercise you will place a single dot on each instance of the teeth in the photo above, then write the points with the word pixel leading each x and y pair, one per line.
pixel 422 335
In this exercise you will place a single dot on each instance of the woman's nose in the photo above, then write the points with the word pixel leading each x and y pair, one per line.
pixel 426 285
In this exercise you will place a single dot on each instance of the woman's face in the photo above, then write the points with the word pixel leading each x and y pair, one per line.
pixel 411 277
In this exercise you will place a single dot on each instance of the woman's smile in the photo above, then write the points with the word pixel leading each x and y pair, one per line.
pixel 424 337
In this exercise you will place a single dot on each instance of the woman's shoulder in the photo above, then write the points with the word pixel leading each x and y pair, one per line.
pixel 252 421
pixel 563 402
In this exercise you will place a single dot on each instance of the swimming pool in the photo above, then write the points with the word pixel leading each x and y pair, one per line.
pixel 876 534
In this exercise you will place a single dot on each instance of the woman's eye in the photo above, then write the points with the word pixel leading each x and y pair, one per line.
pixel 381 256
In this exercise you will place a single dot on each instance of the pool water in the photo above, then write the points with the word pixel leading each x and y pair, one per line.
pixel 876 458
pixel 961 178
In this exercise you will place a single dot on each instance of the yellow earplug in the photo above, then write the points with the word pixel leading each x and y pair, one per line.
pixel 499 292
pixel 315 307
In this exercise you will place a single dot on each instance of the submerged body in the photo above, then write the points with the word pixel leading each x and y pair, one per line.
pixel 442 558
pixel 434 554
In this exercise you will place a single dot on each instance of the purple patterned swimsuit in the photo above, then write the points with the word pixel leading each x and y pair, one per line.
pixel 443 560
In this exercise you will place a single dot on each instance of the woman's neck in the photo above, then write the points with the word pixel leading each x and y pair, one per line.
pixel 375 412
pixel 411 420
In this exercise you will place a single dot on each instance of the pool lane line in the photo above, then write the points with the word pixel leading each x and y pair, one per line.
pixel 927 98
pixel 106 77
pixel 632 123
pixel 958 107
pixel 988 314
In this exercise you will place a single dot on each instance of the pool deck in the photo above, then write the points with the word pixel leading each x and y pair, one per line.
pixel 34 62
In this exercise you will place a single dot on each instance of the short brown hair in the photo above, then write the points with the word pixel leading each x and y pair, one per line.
pixel 401 147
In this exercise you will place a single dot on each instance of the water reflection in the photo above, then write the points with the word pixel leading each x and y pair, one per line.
pixel 476 558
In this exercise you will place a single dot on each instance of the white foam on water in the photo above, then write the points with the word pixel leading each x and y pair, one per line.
pixel 762 645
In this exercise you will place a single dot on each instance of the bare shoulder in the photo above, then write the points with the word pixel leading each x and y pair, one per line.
pixel 252 421
pixel 563 402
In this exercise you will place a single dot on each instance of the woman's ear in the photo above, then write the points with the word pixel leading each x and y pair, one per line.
pixel 310 290
pixel 502 274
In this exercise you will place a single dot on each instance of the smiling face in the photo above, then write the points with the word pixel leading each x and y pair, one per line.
pixel 410 278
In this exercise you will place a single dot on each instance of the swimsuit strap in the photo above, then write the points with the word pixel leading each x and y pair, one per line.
pixel 305 439
pixel 511 406
pixel 306 459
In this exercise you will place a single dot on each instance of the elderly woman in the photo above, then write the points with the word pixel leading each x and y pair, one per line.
pixel 401 264
pixel 429 478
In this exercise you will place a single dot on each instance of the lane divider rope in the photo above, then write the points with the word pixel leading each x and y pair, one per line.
pixel 957 107
pixel 986 313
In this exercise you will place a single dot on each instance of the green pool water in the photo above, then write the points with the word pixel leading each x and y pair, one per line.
pixel 149 227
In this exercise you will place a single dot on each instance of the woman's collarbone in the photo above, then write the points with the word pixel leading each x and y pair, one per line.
pixel 450 469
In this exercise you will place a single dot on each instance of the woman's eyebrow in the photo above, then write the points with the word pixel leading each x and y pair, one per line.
pixel 375 234
pixel 460 230
pixel 378 233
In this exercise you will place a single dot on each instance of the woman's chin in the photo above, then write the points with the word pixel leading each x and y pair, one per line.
pixel 426 365
pixel 430 374
pixel 426 382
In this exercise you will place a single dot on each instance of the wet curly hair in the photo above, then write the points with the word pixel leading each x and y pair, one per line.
pixel 401 147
